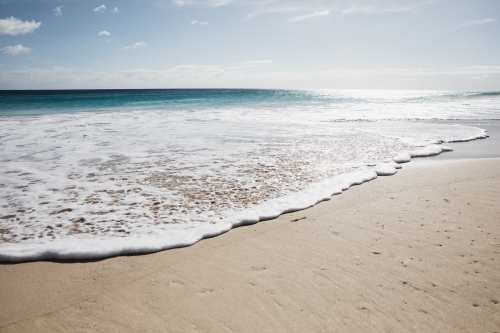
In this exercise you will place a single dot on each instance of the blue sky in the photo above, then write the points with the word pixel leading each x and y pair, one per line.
pixel 365 44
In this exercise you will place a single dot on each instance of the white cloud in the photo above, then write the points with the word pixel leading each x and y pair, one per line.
pixel 308 16
pixel 248 64
pixel 355 9
pixel 199 23
pixel 398 10
pixel 115 10
pixel 476 22
pixel 211 3
pixel 14 26
pixel 103 33
pixel 256 62
pixel 136 46
pixel 217 3
pixel 370 9
pixel 194 76
pixel 280 9
pixel 58 10
pixel 183 2
pixel 15 50
pixel 218 76
pixel 480 77
pixel 99 9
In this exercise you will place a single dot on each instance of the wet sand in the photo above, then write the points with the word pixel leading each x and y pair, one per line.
pixel 415 252
pixel 482 148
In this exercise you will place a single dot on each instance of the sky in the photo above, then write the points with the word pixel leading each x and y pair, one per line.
pixel 315 44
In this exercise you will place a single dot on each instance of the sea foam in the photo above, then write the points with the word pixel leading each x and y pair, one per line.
pixel 87 185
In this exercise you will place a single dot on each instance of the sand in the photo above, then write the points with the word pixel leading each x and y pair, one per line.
pixel 415 252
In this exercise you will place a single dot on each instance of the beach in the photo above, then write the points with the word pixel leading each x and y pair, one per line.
pixel 249 166
pixel 415 252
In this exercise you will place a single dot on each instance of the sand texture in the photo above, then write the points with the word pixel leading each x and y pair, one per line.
pixel 415 252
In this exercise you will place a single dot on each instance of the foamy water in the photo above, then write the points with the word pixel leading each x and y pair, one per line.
pixel 135 178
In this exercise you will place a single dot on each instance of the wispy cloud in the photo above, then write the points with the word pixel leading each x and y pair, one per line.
pixel 470 78
pixel 211 3
pixel 15 50
pixel 398 10
pixel 183 2
pixel 14 26
pixel 370 9
pixel 218 3
pixel 115 10
pixel 249 64
pixel 318 13
pixel 99 9
pixel 195 22
pixel 355 9
pixel 136 46
pixel 255 62
pixel 274 10
pixel 58 11
pixel 476 22
pixel 103 33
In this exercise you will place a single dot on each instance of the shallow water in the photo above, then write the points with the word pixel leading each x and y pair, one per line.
pixel 484 148
pixel 157 169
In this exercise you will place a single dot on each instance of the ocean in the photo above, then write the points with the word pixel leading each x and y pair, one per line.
pixel 89 174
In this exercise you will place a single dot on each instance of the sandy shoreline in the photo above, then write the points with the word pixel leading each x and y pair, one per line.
pixel 418 251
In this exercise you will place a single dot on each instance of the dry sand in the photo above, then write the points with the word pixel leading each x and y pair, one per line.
pixel 415 252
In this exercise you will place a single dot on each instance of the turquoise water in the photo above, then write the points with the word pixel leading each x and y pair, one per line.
pixel 42 102
pixel 61 101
